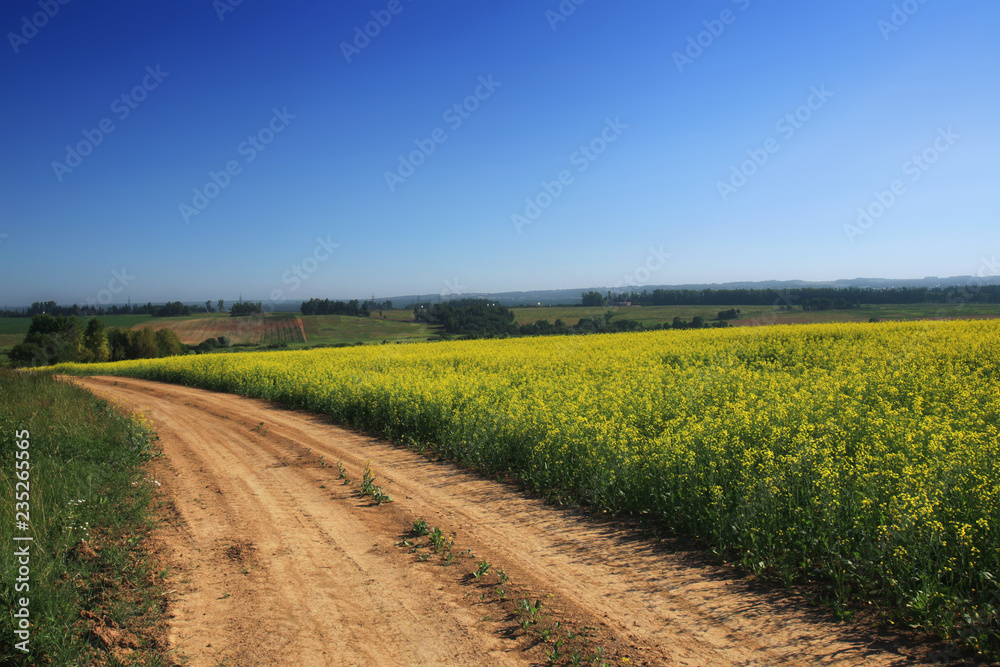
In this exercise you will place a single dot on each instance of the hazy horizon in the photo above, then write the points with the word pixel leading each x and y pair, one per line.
pixel 971 281
pixel 202 150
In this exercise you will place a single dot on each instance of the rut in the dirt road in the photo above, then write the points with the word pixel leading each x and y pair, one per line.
pixel 280 563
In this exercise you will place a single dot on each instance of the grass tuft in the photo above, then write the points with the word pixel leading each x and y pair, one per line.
pixel 95 594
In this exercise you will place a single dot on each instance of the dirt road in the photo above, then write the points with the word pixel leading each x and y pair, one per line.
pixel 278 562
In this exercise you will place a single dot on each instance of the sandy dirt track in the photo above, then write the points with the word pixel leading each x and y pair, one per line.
pixel 277 562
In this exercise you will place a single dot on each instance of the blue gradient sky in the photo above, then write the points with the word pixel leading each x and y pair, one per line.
pixel 448 227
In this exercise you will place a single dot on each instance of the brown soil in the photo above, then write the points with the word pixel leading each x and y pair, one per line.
pixel 254 330
pixel 302 329
pixel 278 562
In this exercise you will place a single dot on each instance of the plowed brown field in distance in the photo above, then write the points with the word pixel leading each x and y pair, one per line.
pixel 251 330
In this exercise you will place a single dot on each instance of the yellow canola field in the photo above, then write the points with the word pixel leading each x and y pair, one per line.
pixel 863 457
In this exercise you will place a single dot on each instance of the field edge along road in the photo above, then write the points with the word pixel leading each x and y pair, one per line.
pixel 279 561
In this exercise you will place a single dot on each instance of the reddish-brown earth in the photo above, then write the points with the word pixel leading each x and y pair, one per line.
pixel 276 561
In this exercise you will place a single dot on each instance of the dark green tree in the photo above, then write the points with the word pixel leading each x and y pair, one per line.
pixel 95 342
pixel 50 340
pixel 119 343
pixel 168 344
pixel 143 344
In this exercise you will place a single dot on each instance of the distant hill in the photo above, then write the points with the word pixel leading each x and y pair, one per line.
pixel 554 297
pixel 572 296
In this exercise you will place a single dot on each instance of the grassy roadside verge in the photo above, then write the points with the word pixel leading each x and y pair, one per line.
pixel 93 593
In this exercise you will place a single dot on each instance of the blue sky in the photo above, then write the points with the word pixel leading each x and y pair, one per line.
pixel 695 142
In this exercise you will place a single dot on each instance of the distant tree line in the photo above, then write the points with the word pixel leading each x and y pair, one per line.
pixel 353 308
pixel 809 298
pixel 56 339
pixel 242 309
pixel 469 317
pixel 169 309
pixel 477 318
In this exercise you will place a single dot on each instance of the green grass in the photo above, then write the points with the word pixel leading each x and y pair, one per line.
pixel 337 329
pixel 86 482
pixel 8 341
pixel 10 326
pixel 755 315
pixel 404 315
